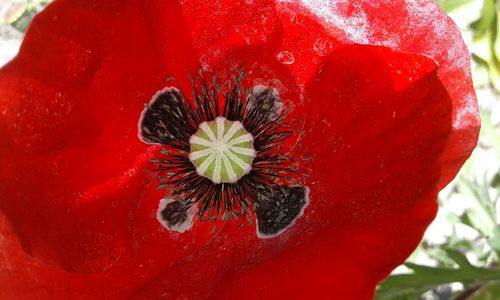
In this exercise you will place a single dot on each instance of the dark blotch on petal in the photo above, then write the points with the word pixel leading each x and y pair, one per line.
pixel 165 120
pixel 176 216
pixel 277 209
pixel 174 213
pixel 264 119
pixel 267 102
pixel 262 106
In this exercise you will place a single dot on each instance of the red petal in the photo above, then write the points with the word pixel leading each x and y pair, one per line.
pixel 71 124
pixel 416 27
pixel 379 121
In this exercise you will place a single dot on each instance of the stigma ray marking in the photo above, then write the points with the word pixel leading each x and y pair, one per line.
pixel 202 169
pixel 241 139
pixel 230 172
pixel 208 131
pixel 243 165
pixel 220 128
pixel 230 133
pixel 201 153
pixel 222 161
pixel 242 150
pixel 217 169
pixel 200 141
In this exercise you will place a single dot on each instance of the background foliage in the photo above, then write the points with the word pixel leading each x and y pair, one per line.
pixel 459 257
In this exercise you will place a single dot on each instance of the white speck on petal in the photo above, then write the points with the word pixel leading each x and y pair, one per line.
pixel 285 58
pixel 323 46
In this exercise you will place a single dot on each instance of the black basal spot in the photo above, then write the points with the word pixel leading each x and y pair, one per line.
pixel 175 215
pixel 164 120
pixel 278 208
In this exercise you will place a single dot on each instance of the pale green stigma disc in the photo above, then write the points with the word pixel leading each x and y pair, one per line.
pixel 222 150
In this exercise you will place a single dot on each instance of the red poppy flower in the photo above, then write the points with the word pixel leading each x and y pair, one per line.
pixel 304 159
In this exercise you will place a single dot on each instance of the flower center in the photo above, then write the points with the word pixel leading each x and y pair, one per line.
pixel 222 150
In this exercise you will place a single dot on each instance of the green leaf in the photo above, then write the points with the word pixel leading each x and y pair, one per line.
pixel 452 218
pixel 13 12
pixel 495 239
pixel 21 12
pixel 490 291
pixel 24 20
pixel 486 44
pixel 451 5
pixel 424 278
pixel 482 215
pixel 480 72
pixel 487 20
pixel 459 258
pixel 490 133
pixel 495 183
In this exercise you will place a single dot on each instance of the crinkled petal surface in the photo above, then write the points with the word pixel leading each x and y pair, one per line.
pixel 388 114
